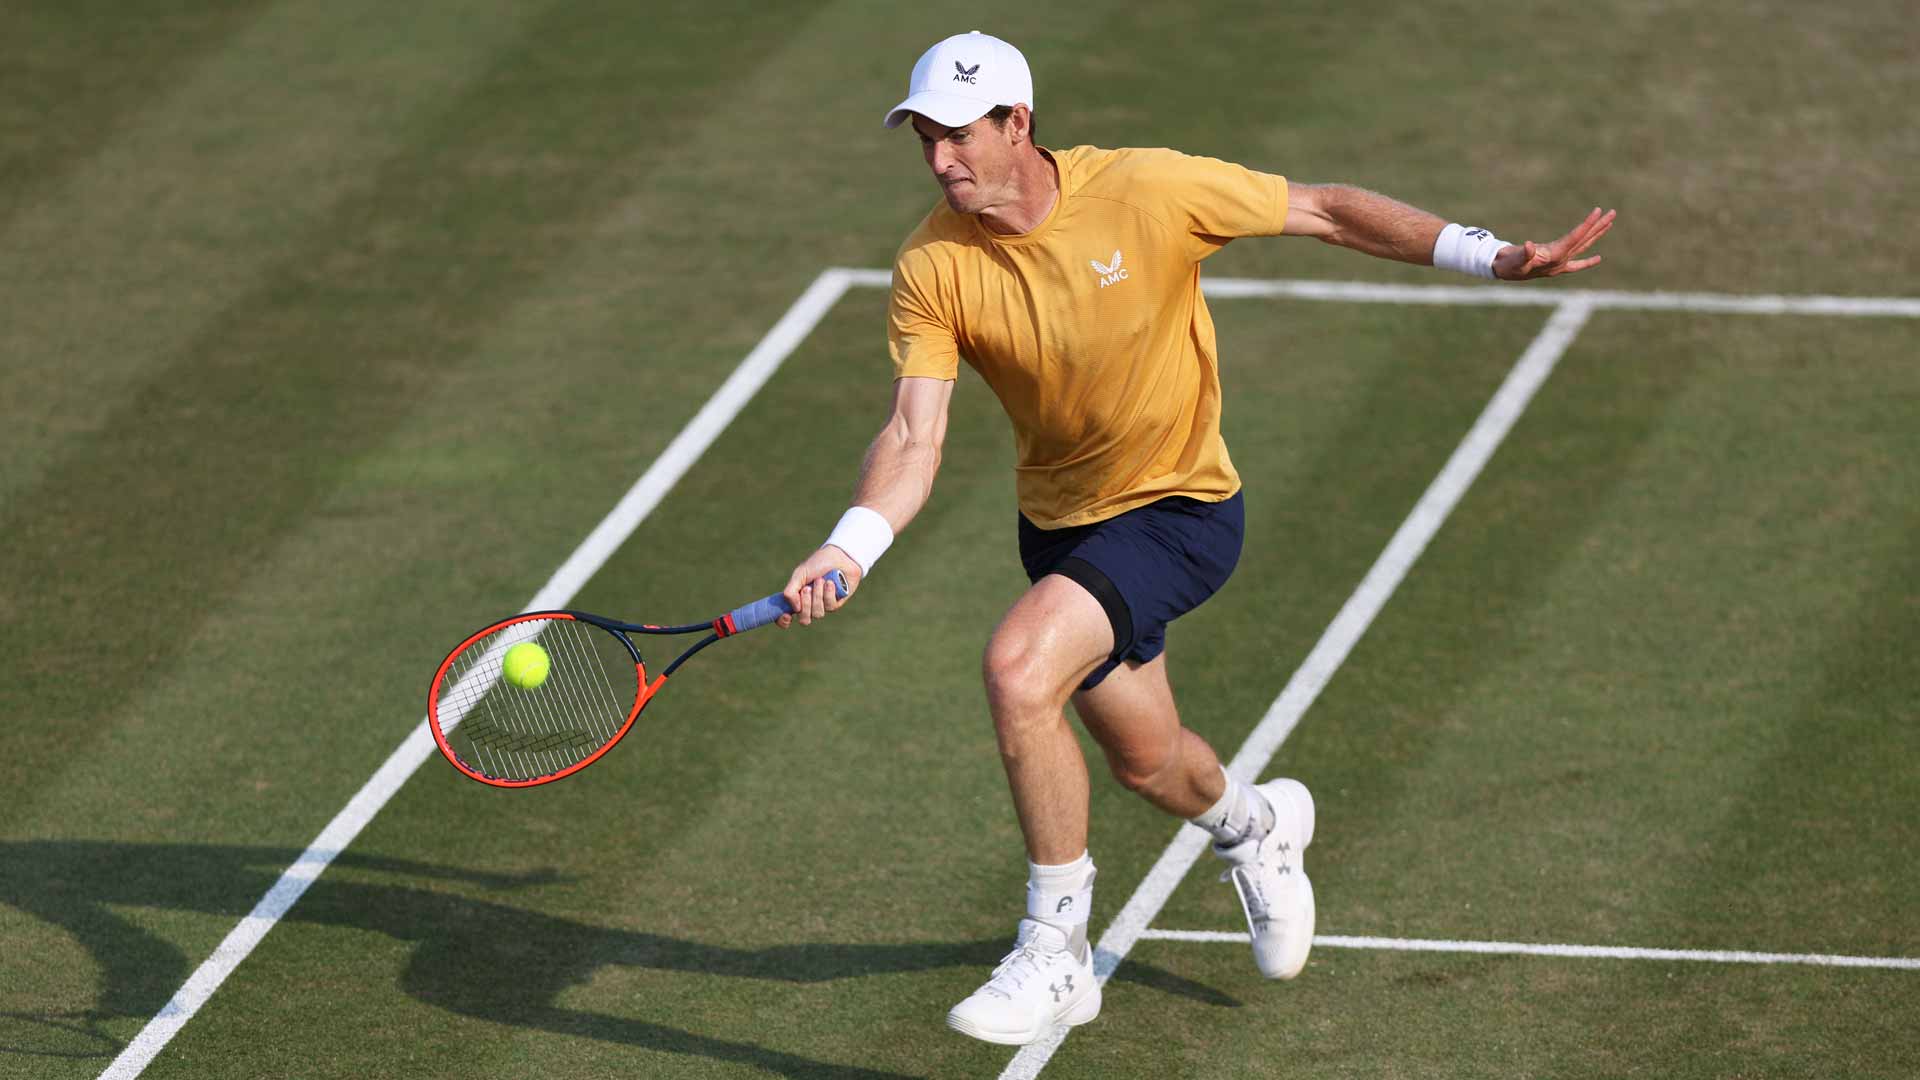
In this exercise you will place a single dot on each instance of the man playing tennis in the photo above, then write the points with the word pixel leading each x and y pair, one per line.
pixel 1070 280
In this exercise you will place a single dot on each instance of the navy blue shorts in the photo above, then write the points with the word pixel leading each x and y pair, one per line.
pixel 1147 567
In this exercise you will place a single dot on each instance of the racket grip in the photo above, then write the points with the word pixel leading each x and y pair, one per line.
pixel 761 612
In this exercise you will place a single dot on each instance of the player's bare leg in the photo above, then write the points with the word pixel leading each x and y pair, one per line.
pixel 1260 831
pixel 1049 640
pixel 1132 716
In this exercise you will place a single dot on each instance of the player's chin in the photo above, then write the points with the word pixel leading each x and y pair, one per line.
pixel 959 195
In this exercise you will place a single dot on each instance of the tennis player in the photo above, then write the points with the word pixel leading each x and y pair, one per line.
pixel 1070 280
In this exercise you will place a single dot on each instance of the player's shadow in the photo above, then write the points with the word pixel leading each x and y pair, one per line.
pixel 474 957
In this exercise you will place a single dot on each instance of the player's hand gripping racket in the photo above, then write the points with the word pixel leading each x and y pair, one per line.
pixel 556 710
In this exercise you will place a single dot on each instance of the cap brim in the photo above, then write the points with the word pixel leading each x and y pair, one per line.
pixel 947 110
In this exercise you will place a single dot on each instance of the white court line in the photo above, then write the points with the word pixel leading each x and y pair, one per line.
pixel 1473 453
pixel 1368 292
pixel 593 552
pixel 1521 948
pixel 1506 296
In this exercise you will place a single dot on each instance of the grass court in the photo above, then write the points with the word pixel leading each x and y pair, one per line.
pixel 331 331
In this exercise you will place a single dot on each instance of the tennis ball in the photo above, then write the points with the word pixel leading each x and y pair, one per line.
pixel 526 665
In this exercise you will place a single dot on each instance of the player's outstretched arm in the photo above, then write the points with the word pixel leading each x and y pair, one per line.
pixel 1374 224
pixel 895 480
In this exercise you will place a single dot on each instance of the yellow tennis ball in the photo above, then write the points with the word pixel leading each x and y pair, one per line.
pixel 526 665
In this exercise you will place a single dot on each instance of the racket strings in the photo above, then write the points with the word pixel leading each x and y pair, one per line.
pixel 510 732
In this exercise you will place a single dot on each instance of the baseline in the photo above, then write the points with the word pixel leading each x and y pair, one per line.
pixel 1369 292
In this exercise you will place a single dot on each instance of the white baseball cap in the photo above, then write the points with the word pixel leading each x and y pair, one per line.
pixel 959 80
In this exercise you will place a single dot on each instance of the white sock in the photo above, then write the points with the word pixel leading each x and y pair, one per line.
pixel 1061 895
pixel 1241 814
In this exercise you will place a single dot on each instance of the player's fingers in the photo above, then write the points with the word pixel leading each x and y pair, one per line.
pixel 830 593
pixel 794 582
pixel 1578 265
pixel 1600 229
pixel 1592 229
pixel 783 621
pixel 1578 236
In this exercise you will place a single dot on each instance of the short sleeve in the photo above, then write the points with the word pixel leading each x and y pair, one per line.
pixel 1216 201
pixel 920 337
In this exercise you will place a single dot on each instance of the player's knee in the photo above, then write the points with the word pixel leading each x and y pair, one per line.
pixel 1020 689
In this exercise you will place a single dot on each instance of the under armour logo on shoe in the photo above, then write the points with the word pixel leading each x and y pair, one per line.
pixel 1110 273
pixel 1058 990
pixel 1065 903
pixel 965 73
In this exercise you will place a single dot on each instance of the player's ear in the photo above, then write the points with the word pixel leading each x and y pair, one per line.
pixel 1022 124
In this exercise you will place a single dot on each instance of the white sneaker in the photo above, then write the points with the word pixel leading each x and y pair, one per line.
pixel 1272 881
pixel 1046 980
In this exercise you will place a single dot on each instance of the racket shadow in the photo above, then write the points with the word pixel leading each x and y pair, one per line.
pixel 473 956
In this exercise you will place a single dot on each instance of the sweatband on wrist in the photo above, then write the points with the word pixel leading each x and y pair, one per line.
pixel 1467 250
pixel 863 534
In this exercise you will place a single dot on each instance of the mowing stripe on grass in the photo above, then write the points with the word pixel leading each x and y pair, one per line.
pixel 1472 455
pixel 1521 948
pixel 593 552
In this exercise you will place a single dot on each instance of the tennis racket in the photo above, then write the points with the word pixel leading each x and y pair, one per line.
pixel 511 736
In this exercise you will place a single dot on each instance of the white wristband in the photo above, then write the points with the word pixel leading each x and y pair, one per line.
pixel 1469 251
pixel 863 534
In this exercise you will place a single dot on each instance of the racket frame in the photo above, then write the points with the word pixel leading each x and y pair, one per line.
pixel 621 631
pixel 738 621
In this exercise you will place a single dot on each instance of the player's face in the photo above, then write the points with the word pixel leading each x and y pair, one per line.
pixel 972 164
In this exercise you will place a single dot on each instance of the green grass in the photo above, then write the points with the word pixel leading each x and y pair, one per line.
pixel 330 331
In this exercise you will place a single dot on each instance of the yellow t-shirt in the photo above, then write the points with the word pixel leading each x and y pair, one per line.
pixel 1091 328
